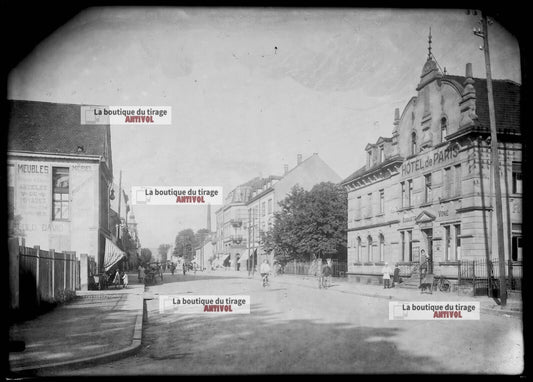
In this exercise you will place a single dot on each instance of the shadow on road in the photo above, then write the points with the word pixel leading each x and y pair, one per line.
pixel 267 343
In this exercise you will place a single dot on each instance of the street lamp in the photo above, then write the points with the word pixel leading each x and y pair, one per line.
pixel 483 33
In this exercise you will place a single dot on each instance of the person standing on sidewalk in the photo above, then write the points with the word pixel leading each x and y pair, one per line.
pixel 326 273
pixel 396 277
pixel 125 280
pixel 320 273
pixel 386 276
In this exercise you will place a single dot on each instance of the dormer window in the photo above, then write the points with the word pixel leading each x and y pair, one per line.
pixel 413 144
pixel 381 154
pixel 368 158
pixel 443 129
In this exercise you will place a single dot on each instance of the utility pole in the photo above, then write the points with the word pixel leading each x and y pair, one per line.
pixel 119 202
pixel 484 33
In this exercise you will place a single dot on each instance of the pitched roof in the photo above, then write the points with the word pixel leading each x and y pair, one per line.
pixel 366 170
pixel 506 102
pixel 56 128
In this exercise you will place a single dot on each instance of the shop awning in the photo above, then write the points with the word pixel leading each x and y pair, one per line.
pixel 112 254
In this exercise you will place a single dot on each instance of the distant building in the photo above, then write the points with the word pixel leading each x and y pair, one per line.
pixel 429 186
pixel 249 209
pixel 60 174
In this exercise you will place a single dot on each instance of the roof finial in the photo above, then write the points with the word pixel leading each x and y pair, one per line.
pixel 429 44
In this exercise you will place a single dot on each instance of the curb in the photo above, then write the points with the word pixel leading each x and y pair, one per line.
pixel 101 358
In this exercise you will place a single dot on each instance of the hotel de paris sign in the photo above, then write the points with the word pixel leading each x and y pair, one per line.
pixel 424 162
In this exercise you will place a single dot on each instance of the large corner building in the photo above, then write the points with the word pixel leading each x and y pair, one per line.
pixel 429 186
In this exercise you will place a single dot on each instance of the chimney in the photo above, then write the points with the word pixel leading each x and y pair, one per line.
pixel 469 70
pixel 285 169
pixel 298 159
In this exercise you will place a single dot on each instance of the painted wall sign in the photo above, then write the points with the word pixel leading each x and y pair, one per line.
pixel 429 160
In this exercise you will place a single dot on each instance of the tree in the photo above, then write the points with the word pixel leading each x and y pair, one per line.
pixel 310 223
pixel 146 255
pixel 200 236
pixel 184 244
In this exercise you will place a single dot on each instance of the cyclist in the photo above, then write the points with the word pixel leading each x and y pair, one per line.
pixel 264 270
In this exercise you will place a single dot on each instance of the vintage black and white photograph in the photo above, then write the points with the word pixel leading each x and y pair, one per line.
pixel 261 190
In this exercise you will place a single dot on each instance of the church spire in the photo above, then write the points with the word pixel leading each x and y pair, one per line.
pixel 429 44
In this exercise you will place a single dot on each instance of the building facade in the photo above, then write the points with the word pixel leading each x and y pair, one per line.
pixel 59 178
pixel 428 188
pixel 248 212
pixel 231 232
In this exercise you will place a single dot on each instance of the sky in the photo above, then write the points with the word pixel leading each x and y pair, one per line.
pixel 249 88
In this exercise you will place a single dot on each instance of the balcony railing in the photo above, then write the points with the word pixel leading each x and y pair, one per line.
pixel 236 222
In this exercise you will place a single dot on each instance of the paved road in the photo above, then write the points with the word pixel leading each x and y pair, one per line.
pixel 298 329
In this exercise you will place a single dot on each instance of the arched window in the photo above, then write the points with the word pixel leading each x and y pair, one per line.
pixel 381 247
pixel 413 144
pixel 369 249
pixel 358 249
pixel 443 129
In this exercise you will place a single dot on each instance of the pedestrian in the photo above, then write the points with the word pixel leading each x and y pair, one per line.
pixel 265 271
pixel 116 280
pixel 184 268
pixel 326 273
pixel 319 273
pixel 142 274
pixel 125 280
pixel 139 273
pixel 396 277
pixel 161 272
pixel 386 276
pixel 172 268
pixel 423 265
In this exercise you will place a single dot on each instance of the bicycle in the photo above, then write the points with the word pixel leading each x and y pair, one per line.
pixel 442 284
pixel 266 281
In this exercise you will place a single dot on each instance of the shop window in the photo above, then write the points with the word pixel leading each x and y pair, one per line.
pixel 517 178
pixel 60 199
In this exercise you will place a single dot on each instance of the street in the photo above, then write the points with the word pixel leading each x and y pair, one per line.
pixel 300 329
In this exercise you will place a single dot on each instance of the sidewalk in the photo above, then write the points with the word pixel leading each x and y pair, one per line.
pixel 488 305
pixel 95 326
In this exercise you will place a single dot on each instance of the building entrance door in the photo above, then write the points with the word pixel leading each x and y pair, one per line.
pixel 428 235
